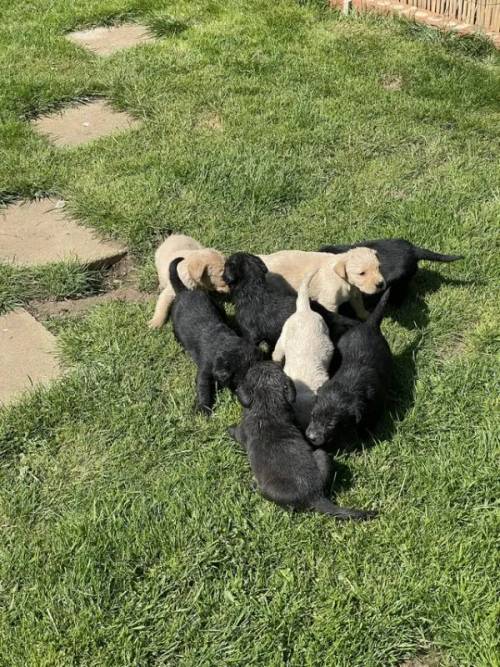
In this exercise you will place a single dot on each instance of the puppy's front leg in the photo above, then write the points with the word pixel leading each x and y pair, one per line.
pixel 236 433
pixel 205 391
pixel 356 300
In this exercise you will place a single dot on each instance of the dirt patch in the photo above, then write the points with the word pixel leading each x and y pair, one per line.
pixel 210 121
pixel 390 82
pixel 430 660
pixel 76 307
pixel 40 232
pixel 83 123
pixel 107 40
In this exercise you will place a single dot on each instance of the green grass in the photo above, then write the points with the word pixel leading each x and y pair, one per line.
pixel 130 533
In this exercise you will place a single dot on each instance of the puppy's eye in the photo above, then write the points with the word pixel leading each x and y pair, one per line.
pixel 362 273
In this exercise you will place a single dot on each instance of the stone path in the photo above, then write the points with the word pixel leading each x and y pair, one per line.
pixel 83 123
pixel 104 40
pixel 27 355
pixel 40 232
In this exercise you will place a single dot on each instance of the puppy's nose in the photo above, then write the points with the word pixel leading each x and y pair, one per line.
pixel 314 437
pixel 380 284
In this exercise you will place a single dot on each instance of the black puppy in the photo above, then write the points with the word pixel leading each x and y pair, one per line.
pixel 287 469
pixel 222 357
pixel 398 262
pixel 261 310
pixel 360 385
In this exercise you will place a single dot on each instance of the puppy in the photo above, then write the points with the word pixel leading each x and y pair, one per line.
pixel 306 347
pixel 342 278
pixel 202 267
pixel 261 310
pixel 398 261
pixel 286 468
pixel 222 357
pixel 360 385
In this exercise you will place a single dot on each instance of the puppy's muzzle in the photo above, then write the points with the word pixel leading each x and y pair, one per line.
pixel 315 437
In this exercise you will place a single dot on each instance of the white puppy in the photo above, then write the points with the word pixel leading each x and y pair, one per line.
pixel 306 347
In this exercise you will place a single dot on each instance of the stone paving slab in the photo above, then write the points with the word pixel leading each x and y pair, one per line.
pixel 27 355
pixel 107 40
pixel 83 123
pixel 40 232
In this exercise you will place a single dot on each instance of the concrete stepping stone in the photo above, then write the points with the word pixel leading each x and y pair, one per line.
pixel 83 123
pixel 107 40
pixel 27 355
pixel 40 232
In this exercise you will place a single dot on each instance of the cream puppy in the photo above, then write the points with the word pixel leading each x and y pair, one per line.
pixel 202 267
pixel 338 278
pixel 306 347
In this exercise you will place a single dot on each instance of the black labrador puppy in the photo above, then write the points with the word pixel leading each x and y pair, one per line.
pixel 288 471
pixel 398 262
pixel 222 357
pixel 261 310
pixel 359 387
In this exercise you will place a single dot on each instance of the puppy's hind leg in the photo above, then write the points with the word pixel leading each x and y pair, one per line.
pixel 205 391
pixel 162 308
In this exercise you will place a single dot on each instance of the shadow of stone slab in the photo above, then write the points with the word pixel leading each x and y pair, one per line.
pixel 27 355
pixel 40 232
pixel 83 123
pixel 105 40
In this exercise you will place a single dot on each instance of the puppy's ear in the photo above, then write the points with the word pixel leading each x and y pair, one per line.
pixel 357 413
pixel 290 392
pixel 244 395
pixel 341 270
pixel 197 269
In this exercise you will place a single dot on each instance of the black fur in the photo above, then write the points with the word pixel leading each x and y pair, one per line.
pixel 287 469
pixel 398 262
pixel 359 387
pixel 261 310
pixel 222 357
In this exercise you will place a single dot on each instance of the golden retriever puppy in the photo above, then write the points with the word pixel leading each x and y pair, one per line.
pixel 201 267
pixel 306 347
pixel 338 278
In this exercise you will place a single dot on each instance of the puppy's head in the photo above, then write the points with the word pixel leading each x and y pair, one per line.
pixel 243 267
pixel 266 385
pixel 231 365
pixel 204 269
pixel 361 268
pixel 329 410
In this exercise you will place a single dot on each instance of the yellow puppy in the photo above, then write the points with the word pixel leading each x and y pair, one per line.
pixel 306 347
pixel 202 267
pixel 338 278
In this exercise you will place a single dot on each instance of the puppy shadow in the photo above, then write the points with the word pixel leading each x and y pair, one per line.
pixel 341 479
pixel 400 400
pixel 414 312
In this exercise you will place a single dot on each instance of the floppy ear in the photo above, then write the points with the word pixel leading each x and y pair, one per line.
pixel 290 392
pixel 197 269
pixel 244 395
pixel 357 413
pixel 340 270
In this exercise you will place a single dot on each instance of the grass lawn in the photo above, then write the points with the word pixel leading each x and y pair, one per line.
pixel 130 534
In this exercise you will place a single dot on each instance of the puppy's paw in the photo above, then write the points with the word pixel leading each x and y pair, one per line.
pixel 155 323
pixel 203 410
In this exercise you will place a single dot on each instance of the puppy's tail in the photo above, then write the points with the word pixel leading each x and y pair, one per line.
pixel 325 506
pixel 175 281
pixel 377 315
pixel 303 305
pixel 423 253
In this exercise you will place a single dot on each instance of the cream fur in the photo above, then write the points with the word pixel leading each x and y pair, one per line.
pixel 338 278
pixel 202 267
pixel 306 347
